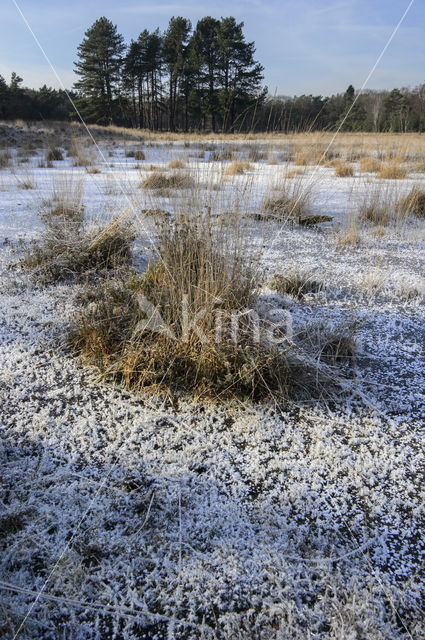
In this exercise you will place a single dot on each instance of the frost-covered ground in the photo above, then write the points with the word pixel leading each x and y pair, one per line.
pixel 128 517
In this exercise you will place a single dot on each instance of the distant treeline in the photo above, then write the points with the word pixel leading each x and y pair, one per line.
pixel 205 79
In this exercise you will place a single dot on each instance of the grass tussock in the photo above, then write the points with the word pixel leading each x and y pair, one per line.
pixel 71 249
pixel 82 156
pixel 302 159
pixel 293 202
pixel 377 207
pixel 173 327
pixel 392 171
pixel 25 181
pixel 296 283
pixel 176 164
pixel 5 159
pixel 412 204
pixel 370 165
pixel 137 154
pixel 54 154
pixel 237 168
pixel 160 180
pixel 348 235
pixel 344 170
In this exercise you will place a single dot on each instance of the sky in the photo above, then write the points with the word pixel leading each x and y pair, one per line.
pixel 305 46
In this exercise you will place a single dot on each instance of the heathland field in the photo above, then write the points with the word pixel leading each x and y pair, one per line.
pixel 212 385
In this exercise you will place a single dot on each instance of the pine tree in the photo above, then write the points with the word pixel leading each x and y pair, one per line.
pixel 239 74
pixel 175 57
pixel 4 98
pixel 204 49
pixel 99 67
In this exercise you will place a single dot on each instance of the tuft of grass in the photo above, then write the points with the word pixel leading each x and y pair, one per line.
pixel 137 154
pixel 5 159
pixel 255 154
pixel 82 156
pixel 272 160
pixel 71 249
pixel 370 165
pixel 331 345
pixel 413 203
pixel 348 235
pixel 160 180
pixel 237 168
pixel 25 181
pixel 54 154
pixel 294 202
pixel 171 329
pixel 296 283
pixel 302 159
pixel 392 171
pixel 176 164
pixel 343 170
pixel 377 207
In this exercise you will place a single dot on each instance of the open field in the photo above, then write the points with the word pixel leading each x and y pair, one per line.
pixel 173 512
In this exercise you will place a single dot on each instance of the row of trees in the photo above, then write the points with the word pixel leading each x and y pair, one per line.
pixel 179 79
pixel 200 79
pixel 399 110
pixel 30 104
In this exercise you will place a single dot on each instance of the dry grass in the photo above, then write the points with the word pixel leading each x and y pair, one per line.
pixel 83 156
pixel 202 271
pixel 172 328
pixel 72 249
pixel 54 154
pixel 237 168
pixel 343 170
pixel 176 164
pixel 348 235
pixel 413 203
pixel 370 165
pixel 392 171
pixel 137 154
pixel 302 159
pixel 25 181
pixel 297 283
pixel 5 159
pixel 293 173
pixel 272 160
pixel 377 206
pixel 293 202
pixel 160 180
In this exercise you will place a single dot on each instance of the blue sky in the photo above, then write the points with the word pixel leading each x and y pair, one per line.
pixel 305 46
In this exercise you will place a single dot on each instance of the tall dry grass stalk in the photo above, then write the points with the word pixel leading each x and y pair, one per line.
pixel 378 205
